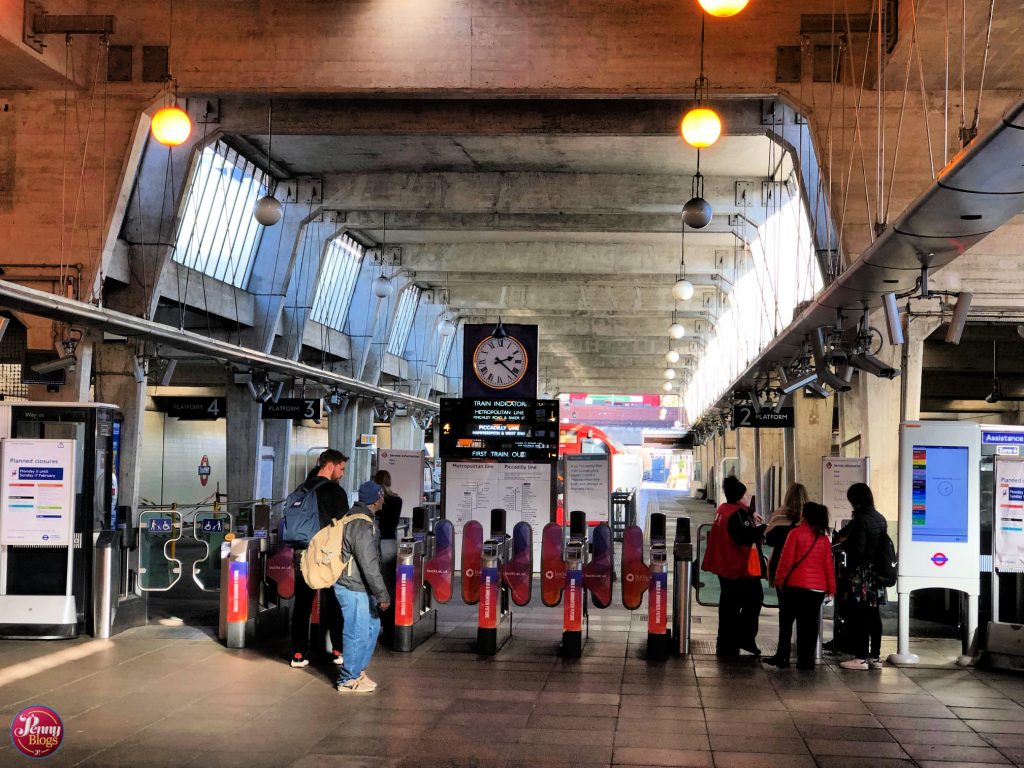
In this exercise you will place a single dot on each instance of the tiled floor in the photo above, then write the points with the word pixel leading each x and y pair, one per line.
pixel 155 697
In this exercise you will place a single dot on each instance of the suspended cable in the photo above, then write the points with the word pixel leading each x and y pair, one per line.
pixel 924 94
pixel 899 132
pixel 984 69
pixel 945 125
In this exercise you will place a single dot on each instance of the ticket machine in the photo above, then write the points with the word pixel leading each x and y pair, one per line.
pixel 638 578
pixel 575 568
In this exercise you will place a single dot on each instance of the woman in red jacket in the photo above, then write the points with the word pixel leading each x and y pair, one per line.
pixel 805 576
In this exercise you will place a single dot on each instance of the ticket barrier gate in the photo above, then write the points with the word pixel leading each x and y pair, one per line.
pixel 249 606
pixel 496 573
pixel 423 572
pixel 565 569
pixel 638 578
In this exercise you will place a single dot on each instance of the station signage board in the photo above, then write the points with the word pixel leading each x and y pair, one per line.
pixel 294 408
pixel 485 428
pixel 748 416
pixel 193 408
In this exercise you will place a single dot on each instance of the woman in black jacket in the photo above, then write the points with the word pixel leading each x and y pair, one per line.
pixel 861 591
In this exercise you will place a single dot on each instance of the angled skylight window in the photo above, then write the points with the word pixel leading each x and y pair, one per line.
pixel 400 329
pixel 341 262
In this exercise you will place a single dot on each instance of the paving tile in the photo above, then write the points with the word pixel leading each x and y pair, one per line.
pixel 861 749
pixel 951 738
pixel 563 736
pixel 855 707
pixel 1015 714
pixel 995 726
pixel 955 754
pixel 810 730
pixel 658 728
pixel 741 728
pixel 681 741
pixel 922 723
pixel 665 757
pixel 764 744
pixel 847 761
pixel 829 720
pixel 567 722
pixel 747 715
pixel 758 760
pixel 956 763
pixel 660 713
pixel 932 709
pixel 1009 740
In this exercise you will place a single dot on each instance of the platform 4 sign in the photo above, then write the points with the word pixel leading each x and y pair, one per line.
pixel 747 416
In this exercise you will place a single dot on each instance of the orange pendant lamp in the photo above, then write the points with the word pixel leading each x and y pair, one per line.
pixel 723 9
pixel 171 126
pixel 701 126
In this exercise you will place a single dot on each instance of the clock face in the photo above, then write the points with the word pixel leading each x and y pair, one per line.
pixel 500 363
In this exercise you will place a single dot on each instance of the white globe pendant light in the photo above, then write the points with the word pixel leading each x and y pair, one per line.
pixel 682 290
pixel 382 287
pixel 670 373
pixel 667 386
pixel 676 330
pixel 672 356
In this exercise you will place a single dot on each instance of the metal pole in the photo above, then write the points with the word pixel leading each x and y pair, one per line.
pixel 682 560
pixel 764 506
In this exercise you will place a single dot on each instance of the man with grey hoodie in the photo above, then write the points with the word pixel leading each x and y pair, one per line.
pixel 361 591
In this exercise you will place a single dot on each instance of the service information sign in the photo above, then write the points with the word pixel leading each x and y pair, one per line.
pixel 837 475
pixel 406 470
pixel 1008 531
pixel 588 485
pixel 37 499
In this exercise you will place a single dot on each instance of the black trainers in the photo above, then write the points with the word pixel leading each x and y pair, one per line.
pixel 299 661
pixel 775 661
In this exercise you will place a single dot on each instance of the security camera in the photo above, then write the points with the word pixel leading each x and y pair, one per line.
pixel 817 389
pixel 825 376
pixel 874 366
pixel 789 386
pixel 60 364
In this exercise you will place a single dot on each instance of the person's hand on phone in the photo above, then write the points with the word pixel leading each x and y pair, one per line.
pixel 383 606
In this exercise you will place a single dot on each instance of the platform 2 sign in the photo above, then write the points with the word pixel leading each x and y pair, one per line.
pixel 748 416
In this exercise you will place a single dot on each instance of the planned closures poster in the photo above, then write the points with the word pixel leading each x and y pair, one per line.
pixel 1008 544
pixel 37 498
pixel 473 488
pixel 939 493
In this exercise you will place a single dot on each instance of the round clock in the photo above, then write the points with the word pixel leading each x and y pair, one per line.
pixel 500 363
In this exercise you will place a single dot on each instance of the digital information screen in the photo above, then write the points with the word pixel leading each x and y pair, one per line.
pixel 939 495
pixel 474 428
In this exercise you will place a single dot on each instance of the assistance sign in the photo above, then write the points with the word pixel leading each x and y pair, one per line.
pixel 37 497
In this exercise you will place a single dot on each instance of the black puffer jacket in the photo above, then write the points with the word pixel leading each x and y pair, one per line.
pixel 362 544
pixel 861 536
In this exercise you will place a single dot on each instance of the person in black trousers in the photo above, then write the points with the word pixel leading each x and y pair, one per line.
pixel 332 503
pixel 387 520
pixel 861 592
pixel 805 577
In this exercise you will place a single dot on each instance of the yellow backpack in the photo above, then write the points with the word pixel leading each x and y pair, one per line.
pixel 322 564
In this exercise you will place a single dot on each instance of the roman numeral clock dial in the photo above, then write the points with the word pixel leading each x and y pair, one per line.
pixel 500 363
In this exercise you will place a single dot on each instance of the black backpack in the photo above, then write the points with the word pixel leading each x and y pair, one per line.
pixel 886 564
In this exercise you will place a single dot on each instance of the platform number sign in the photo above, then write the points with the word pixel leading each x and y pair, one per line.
pixel 292 408
pixel 748 416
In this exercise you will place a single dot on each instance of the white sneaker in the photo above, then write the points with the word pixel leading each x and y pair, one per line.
pixel 354 686
pixel 339 659
pixel 861 664
pixel 876 663
pixel 366 682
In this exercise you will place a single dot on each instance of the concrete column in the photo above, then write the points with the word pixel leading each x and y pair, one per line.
pixel 881 402
pixel 745 444
pixel 404 434
pixel 278 435
pixel 916 330
pixel 813 439
pixel 361 466
pixel 245 437
pixel 115 384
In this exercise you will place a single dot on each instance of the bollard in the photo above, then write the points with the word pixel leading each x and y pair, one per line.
pixel 682 561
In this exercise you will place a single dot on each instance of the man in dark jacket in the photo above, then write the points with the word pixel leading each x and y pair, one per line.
pixel 361 590
pixel 332 502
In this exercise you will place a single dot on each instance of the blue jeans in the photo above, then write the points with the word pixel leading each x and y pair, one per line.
pixel 362 625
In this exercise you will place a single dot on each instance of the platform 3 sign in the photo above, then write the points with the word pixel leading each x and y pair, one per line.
pixel 748 416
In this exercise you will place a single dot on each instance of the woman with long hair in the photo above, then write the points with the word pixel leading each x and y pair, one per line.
pixel 805 577
pixel 860 589
pixel 782 521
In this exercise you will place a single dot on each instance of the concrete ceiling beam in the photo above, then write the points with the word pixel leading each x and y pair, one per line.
pixel 489 117
pixel 596 225
pixel 528 192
